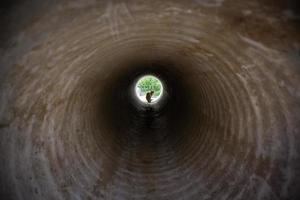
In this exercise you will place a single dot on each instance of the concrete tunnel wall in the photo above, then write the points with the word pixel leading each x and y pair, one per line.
pixel 227 128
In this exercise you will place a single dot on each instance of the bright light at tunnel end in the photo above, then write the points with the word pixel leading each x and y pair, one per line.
pixel 149 89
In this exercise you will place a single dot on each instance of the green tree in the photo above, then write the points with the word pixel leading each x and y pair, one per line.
pixel 150 83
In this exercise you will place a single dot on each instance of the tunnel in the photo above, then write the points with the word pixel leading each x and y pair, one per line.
pixel 227 126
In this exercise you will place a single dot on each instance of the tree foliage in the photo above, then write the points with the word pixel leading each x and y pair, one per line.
pixel 149 83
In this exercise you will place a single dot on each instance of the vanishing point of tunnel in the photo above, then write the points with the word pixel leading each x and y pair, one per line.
pixel 226 127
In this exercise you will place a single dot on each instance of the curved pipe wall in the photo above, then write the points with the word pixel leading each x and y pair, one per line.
pixel 227 127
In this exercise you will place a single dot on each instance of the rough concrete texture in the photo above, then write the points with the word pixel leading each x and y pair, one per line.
pixel 228 128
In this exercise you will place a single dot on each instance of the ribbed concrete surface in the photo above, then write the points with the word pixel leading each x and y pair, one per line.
pixel 228 127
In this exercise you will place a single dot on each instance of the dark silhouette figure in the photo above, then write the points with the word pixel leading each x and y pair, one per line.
pixel 149 96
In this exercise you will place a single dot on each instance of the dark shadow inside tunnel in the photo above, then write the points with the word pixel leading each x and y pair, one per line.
pixel 146 130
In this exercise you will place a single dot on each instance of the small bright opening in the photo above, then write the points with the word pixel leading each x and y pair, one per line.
pixel 149 89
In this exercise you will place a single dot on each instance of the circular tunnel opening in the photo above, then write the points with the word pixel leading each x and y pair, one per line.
pixel 149 89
